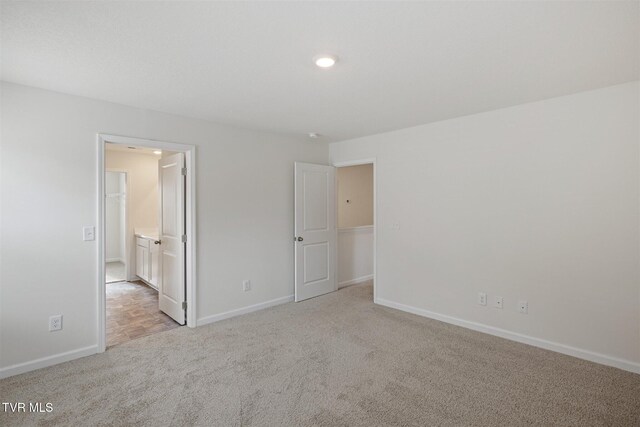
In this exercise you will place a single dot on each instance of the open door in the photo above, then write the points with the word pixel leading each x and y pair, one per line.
pixel 171 293
pixel 315 230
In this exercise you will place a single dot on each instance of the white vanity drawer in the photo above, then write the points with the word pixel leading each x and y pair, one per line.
pixel 142 242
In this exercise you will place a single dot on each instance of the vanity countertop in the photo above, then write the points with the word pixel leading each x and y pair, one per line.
pixel 146 233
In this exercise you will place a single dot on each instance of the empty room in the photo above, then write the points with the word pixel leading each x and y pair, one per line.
pixel 320 213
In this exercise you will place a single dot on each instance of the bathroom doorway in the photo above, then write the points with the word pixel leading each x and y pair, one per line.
pixel 132 182
pixel 158 290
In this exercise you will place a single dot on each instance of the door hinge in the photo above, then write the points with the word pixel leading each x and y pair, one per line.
pixel 183 171
pixel 184 305
pixel 184 238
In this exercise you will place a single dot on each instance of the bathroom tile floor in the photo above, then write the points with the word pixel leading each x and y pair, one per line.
pixel 132 312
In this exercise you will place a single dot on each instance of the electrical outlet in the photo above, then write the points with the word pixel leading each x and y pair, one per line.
pixel 246 285
pixel 482 298
pixel 497 302
pixel 55 323
pixel 523 307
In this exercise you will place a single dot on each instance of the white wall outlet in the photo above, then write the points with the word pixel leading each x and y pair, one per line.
pixel 395 226
pixel 246 285
pixel 88 233
pixel 55 323
pixel 497 302
pixel 523 307
pixel 482 298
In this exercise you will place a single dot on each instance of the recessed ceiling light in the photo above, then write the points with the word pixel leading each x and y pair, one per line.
pixel 325 61
pixel 313 135
pixel 157 152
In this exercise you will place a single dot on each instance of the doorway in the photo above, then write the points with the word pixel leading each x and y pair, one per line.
pixel 145 233
pixel 133 308
pixel 334 227
pixel 355 212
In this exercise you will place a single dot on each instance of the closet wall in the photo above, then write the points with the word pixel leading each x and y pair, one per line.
pixel 115 209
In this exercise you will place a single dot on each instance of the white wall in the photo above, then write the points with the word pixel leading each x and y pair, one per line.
pixel 538 202
pixel 355 255
pixel 48 192
pixel 142 172
pixel 115 216
pixel 122 183
pixel 355 195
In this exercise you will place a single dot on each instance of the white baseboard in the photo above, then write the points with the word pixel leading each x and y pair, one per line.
pixel 44 362
pixel 149 284
pixel 114 260
pixel 244 310
pixel 355 281
pixel 591 356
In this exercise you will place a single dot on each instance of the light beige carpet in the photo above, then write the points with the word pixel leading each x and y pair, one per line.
pixel 336 360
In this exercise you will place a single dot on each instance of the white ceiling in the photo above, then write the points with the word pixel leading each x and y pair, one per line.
pixel 249 64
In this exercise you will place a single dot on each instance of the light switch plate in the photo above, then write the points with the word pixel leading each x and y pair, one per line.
pixel 482 298
pixel 88 233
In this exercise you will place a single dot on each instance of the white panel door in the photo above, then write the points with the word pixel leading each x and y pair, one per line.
pixel 171 286
pixel 315 230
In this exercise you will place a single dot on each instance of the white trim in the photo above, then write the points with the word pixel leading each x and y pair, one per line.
pixel 355 281
pixel 190 217
pixel 354 229
pixel 149 284
pixel 21 368
pixel 142 142
pixel 101 252
pixel 244 310
pixel 580 353
pixel 357 162
pixel 114 260
pixel 367 161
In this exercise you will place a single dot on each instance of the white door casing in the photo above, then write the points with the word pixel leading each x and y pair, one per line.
pixel 171 286
pixel 190 225
pixel 315 230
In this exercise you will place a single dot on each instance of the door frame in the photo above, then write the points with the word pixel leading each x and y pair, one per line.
pixel 358 162
pixel 190 219
pixel 127 247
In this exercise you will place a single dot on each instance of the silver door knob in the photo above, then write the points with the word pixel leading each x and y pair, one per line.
pixel 157 242
pixel 300 239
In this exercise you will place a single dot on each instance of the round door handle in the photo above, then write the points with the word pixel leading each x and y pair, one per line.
pixel 300 239
pixel 157 242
